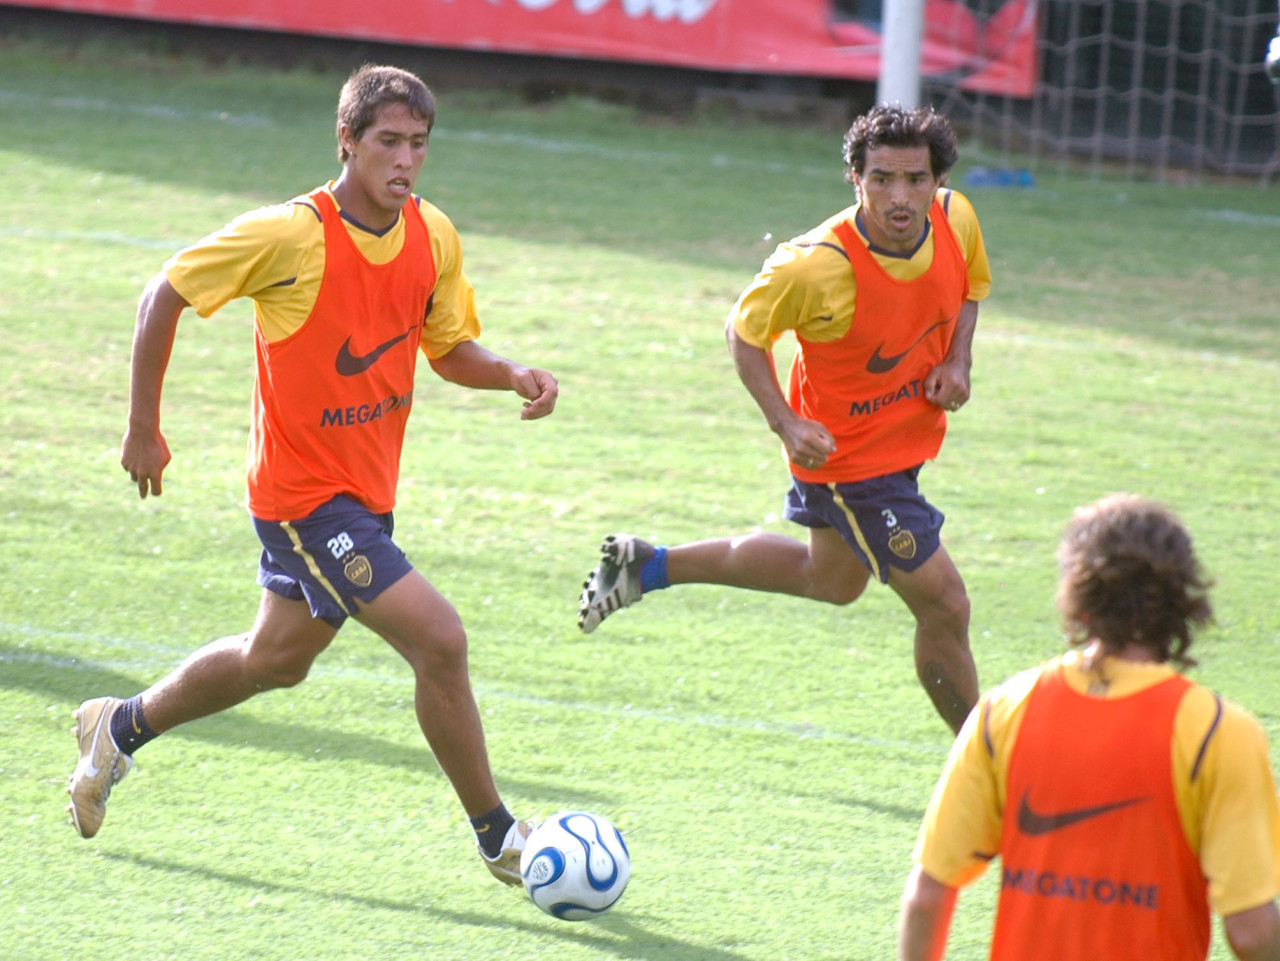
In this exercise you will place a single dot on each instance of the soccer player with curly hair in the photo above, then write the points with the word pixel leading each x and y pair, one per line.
pixel 1123 801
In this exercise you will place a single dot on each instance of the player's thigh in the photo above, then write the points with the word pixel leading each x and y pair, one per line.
pixel 286 638
pixel 416 619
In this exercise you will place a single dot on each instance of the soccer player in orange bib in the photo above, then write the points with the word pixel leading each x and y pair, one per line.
pixel 1122 800
pixel 349 283
pixel 882 299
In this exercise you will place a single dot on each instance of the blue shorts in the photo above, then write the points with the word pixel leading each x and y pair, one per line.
pixel 886 520
pixel 339 553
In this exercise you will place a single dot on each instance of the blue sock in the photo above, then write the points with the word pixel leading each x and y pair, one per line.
pixel 129 729
pixel 491 829
pixel 653 574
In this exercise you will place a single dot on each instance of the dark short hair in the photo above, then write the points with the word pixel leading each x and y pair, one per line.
pixel 372 87
pixel 1129 575
pixel 891 125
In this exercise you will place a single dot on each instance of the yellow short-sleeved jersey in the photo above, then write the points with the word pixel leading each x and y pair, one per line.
pixel 807 286
pixel 275 256
pixel 1229 809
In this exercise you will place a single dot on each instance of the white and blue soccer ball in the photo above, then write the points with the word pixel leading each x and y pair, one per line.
pixel 575 865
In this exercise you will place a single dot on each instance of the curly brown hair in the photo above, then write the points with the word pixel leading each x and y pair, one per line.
pixel 892 125
pixel 1129 575
pixel 372 87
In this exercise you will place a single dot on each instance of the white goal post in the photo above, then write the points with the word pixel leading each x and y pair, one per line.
pixel 901 37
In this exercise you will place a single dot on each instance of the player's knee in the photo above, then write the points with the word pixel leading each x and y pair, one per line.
pixel 839 587
pixel 442 651
pixel 449 647
pixel 946 614
pixel 278 667
pixel 955 604
pixel 840 594
pixel 942 621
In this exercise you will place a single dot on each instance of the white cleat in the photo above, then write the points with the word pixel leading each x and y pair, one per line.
pixel 615 583
pixel 102 765
pixel 506 866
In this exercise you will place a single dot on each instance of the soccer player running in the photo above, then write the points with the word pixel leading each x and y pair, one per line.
pixel 348 282
pixel 882 299
pixel 1123 800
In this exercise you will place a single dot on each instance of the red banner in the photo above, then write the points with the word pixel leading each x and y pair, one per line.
pixel 984 45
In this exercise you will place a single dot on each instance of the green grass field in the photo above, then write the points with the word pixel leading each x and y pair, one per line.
pixel 767 758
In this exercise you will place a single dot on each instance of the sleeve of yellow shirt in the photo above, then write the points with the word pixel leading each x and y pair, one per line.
pixel 452 317
pixel 260 251
pixel 1240 814
pixel 771 303
pixel 964 221
pixel 805 286
pixel 960 834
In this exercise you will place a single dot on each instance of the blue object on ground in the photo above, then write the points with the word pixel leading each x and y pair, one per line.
pixel 999 177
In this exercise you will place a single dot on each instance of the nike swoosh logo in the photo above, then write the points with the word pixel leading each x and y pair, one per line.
pixel 1034 823
pixel 348 364
pixel 91 770
pixel 882 365
pixel 133 716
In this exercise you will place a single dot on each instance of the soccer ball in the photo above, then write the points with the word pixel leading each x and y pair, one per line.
pixel 575 865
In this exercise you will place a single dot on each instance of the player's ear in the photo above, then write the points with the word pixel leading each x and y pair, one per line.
pixel 345 139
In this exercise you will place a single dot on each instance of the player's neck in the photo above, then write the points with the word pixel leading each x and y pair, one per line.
pixel 1095 650
pixel 359 208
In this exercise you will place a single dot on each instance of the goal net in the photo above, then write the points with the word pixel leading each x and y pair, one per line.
pixel 1173 89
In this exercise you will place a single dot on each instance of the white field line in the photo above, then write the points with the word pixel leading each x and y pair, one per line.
pixel 160 656
pixel 1238 217
pixel 154 110
pixel 719 161
pixel 645 157
pixel 1143 349
pixel 987 333
pixel 92 237
pixel 169 112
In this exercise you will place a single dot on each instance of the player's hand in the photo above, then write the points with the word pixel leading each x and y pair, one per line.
pixel 538 388
pixel 947 385
pixel 145 458
pixel 808 443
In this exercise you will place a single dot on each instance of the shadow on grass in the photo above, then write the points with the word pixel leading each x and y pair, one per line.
pixel 896 811
pixel 73 681
pixel 847 799
pixel 620 936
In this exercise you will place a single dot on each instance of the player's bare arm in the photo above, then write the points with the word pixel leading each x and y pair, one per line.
pixel 1254 934
pixel 807 442
pixel 471 365
pixel 144 453
pixel 948 385
pixel 927 907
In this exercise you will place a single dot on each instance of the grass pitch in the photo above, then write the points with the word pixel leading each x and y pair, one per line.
pixel 767 758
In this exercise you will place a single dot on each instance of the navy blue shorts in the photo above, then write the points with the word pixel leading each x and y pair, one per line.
pixel 886 520
pixel 338 553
